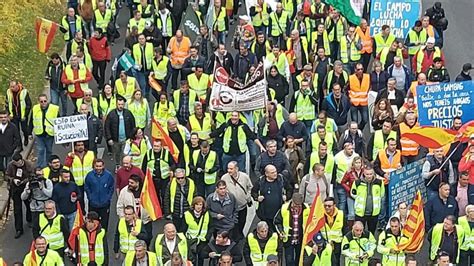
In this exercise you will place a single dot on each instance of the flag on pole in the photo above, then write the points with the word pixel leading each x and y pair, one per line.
pixel 45 31
pixel 78 223
pixel 149 199
pixel 431 137
pixel 414 228
pixel 33 261
pixel 346 9
pixel 190 24
pixel 316 221
pixel 157 132
pixel 126 61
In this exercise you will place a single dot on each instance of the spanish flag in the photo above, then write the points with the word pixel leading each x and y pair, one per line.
pixel 316 221
pixel 431 137
pixel 78 223
pixel 45 31
pixel 414 228
pixel 157 132
pixel 33 261
pixel 149 199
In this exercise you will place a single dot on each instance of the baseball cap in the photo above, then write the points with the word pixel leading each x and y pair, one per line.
pixel 431 40
pixel 272 258
pixel 244 17
pixel 466 67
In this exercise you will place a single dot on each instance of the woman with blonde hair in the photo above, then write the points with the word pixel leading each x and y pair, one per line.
pixel 137 146
pixel 198 230
pixel 138 105
pixel 350 177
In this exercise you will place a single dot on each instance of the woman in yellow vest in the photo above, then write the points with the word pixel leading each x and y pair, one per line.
pixel 137 146
pixel 140 109
pixel 107 101
pixel 198 230
pixel 163 110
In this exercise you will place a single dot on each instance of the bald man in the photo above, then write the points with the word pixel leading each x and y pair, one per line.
pixel 295 128
pixel 126 170
pixel 359 252
pixel 168 243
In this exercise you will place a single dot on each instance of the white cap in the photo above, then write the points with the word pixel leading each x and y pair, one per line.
pixel 430 40
pixel 148 24
pixel 244 17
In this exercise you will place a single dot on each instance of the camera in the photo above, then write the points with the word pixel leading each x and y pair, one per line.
pixel 34 182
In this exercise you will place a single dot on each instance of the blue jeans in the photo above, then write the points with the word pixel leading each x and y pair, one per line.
pixel 44 149
pixel 142 79
pixel 350 209
pixel 364 115
pixel 292 254
pixel 341 198
pixel 384 208
pixel 240 159
pixel 70 219
pixel 59 98
pixel 221 37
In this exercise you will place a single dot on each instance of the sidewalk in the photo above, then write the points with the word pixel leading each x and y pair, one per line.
pixel 3 188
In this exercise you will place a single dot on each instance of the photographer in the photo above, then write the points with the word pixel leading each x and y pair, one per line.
pixel 18 172
pixel 37 191
pixel 438 20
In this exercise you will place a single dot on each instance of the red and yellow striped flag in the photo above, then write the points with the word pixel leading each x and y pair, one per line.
pixel 316 221
pixel 33 261
pixel 45 31
pixel 414 229
pixel 149 199
pixel 157 132
pixel 78 223
pixel 431 137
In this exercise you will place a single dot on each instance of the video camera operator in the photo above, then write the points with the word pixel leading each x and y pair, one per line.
pixel 438 20
pixel 18 172
pixel 37 190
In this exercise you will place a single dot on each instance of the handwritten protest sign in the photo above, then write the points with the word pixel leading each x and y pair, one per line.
pixel 70 128
pixel 400 15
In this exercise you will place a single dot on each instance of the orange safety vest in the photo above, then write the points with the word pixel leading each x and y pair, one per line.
pixel 359 91
pixel 179 52
pixel 409 147
pixel 414 84
pixel 388 166
pixel 366 39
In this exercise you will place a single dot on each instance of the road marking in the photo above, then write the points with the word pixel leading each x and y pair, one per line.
pixel 100 152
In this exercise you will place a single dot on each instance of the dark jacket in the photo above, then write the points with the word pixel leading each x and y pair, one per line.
pixel 339 114
pixel 111 128
pixel 226 207
pixel 189 64
pixel 62 196
pixel 16 108
pixel 279 160
pixel 297 130
pixel 280 85
pixel 242 64
pixel 463 77
pixel 206 46
pixel 96 132
pixel 233 249
pixel 10 140
pixel 154 37
pixel 177 200
pixel 378 82
pixel 437 75
pixel 357 140
pixel 261 243
pixel 399 97
pixel 278 221
pixel 453 191
pixel 99 188
pixel 407 75
pixel 227 63
pixel 273 192
pixel 436 210
pixel 53 74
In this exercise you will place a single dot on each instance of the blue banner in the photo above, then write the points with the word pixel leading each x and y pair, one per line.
pixel 438 104
pixel 400 15
pixel 404 183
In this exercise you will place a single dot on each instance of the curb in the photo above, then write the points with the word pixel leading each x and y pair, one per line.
pixel 3 189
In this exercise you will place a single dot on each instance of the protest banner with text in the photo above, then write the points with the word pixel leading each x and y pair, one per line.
pixel 400 15
pixel 70 129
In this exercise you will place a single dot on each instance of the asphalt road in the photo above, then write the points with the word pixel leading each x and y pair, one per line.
pixel 458 38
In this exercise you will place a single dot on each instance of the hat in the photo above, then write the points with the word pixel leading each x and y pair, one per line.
pixel 308 67
pixel 431 40
pixel 244 17
pixel 318 238
pixel 272 258
pixel 148 24
pixel 466 67
pixel 297 198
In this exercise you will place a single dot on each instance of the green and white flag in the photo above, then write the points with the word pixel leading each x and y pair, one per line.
pixel 126 61
pixel 346 8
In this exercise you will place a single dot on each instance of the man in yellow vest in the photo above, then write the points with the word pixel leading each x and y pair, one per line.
pixel 334 226
pixel 415 38
pixel 336 26
pixel 383 39
pixel 200 82
pixel 129 230
pixel 71 23
pixel 183 100
pixel 43 115
pixel 349 49
pixel 279 26
pixel 160 71
pixel 200 122
pixel 53 227
pixel 358 88
pixel 126 85
pixel 140 255
pixel 91 102
pixel 260 15
pixel 467 247
pixel 358 246
pixel 320 40
pixel 304 103
pixel 168 243
pixel 337 75
pixel 143 55
pixel 164 22
pixel 220 23
pixel 178 198
pixel 204 167
pixel 388 241
pixel 80 163
pixel 318 252
pixel 76 77
pixel 323 157
pixel 322 135
pixel 446 232
pixel 19 106
pixel 137 21
pixel 260 244
pixel 43 253
pixel 278 58
pixel 102 17
pixel 92 242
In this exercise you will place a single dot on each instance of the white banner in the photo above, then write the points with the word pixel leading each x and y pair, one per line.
pixel 70 129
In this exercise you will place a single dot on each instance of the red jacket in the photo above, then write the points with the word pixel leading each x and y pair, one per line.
pixel 466 164
pixel 78 93
pixel 349 178
pixel 427 60
pixel 99 49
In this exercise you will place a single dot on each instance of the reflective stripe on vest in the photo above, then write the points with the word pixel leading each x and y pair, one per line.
pixel 126 92
pixel 21 94
pixel 354 53
pixel 381 43
pixel 285 215
pixel 103 21
pixel 359 90
pixel 81 75
pixel 241 139
pixel 200 85
pixel 51 114
pixel 80 168
pixel 174 187
pixel 360 202
pixel 164 162
pixel 139 111
pixel 181 243
pixel 149 54
pixel 256 255
pixel 334 232
pixel 387 165
pixel 193 226
pixel 367 43
pixel 409 147
pixel 379 143
pixel 98 247
pixel 304 108
pixel 416 37
pixel 126 240
pixel 94 105
pixel 204 130
pixel 52 232
pixel 209 178
pixel 278 23
pixel 160 70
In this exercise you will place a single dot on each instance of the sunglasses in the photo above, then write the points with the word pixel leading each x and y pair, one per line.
pixel 43 101
pixel 178 178
pixel 328 205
